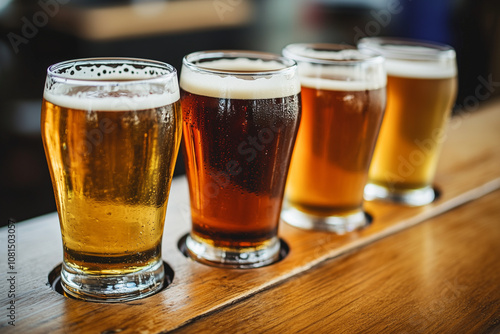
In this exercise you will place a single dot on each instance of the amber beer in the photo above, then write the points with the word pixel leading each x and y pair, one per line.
pixel 334 146
pixel 343 101
pixel 421 89
pixel 111 153
pixel 239 132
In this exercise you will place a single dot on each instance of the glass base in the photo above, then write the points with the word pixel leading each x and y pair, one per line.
pixel 337 224
pixel 242 258
pixel 113 288
pixel 414 197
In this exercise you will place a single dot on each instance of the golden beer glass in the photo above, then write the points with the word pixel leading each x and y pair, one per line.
pixel 111 130
pixel 421 90
pixel 343 102
pixel 241 112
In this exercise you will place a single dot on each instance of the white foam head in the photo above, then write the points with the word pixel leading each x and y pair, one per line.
pixel 414 59
pixel 111 87
pixel 342 78
pixel 421 69
pixel 97 101
pixel 337 67
pixel 325 53
pixel 240 78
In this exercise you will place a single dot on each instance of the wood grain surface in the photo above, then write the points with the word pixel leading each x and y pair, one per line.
pixel 441 276
pixel 469 169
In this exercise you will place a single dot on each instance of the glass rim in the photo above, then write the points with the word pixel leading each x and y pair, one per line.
pixel 289 52
pixel 434 50
pixel 67 78
pixel 190 62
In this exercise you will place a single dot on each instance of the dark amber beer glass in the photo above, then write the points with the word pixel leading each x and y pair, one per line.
pixel 241 114
pixel 421 89
pixel 111 130
pixel 343 101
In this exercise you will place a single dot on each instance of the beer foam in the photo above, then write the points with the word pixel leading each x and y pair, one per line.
pixel 109 70
pixel 340 55
pixel 421 69
pixel 410 49
pixel 109 85
pixel 241 84
pixel 242 65
pixel 339 85
pixel 426 61
pixel 342 78
pixel 111 102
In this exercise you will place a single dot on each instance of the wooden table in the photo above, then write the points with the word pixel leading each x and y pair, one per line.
pixel 413 270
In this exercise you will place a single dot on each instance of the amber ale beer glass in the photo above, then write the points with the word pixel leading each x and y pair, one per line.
pixel 421 90
pixel 343 101
pixel 111 130
pixel 241 114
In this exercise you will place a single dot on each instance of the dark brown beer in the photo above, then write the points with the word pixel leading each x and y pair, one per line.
pixel 334 146
pixel 112 171
pixel 237 154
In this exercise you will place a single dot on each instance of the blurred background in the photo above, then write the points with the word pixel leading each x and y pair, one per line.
pixel 36 34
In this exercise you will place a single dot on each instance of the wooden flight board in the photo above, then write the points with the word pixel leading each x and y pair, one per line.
pixel 469 168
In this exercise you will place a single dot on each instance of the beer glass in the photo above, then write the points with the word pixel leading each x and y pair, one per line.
pixel 241 113
pixel 343 101
pixel 111 130
pixel 421 90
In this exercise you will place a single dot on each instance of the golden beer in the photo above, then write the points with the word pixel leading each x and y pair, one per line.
pixel 343 102
pixel 417 111
pixel 421 90
pixel 113 180
pixel 111 151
